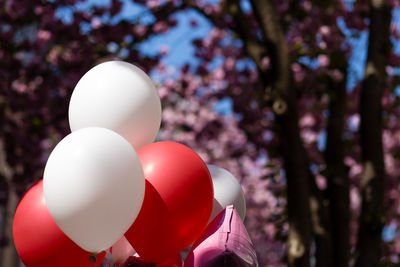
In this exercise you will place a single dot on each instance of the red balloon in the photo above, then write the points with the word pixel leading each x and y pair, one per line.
pixel 177 203
pixel 38 239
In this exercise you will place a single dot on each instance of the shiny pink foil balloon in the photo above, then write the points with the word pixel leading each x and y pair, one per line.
pixel 225 242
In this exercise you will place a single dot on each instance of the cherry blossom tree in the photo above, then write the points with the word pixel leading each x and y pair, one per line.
pixel 315 147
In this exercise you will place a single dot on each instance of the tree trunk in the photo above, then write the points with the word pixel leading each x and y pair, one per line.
pixel 336 173
pixel 9 256
pixel 372 184
pixel 299 237
pixel 292 150
pixel 321 225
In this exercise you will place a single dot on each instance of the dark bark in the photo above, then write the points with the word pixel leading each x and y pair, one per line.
pixel 321 225
pixel 302 219
pixel 8 254
pixel 299 218
pixel 253 47
pixel 372 184
pixel 275 41
pixel 336 173
pixel 292 150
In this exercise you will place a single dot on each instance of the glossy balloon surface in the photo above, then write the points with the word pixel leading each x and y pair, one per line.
pixel 177 203
pixel 94 187
pixel 38 239
pixel 119 96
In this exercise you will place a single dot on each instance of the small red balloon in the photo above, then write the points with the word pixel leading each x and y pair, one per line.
pixel 38 239
pixel 177 203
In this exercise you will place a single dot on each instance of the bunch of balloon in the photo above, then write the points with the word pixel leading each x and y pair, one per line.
pixel 107 186
pixel 93 182
pixel 178 192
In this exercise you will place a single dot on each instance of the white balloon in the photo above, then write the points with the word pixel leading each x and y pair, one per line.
pixel 94 187
pixel 227 191
pixel 119 96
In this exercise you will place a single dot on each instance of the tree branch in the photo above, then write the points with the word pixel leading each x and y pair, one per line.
pixel 275 41
pixel 253 47
pixel 372 183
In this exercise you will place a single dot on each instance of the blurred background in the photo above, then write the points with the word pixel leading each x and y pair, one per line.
pixel 298 99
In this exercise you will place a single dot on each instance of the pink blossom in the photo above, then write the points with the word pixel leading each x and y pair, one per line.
pixel 160 27
pixel 307 120
pixel 43 35
pixel 298 72
pixel 324 30
pixel 307 6
pixel 265 62
pixel 355 170
pixel 229 63
pixel 321 182
pixel 219 74
pixel 19 86
pixel 309 136
pixel 336 75
pixel 355 200
pixel 322 45
pixel 354 121
pixel 270 230
pixel 96 23
pixel 38 10
pixel 323 60
pixel 140 30
pixel 152 4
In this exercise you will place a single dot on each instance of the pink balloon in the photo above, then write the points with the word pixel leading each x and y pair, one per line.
pixel 121 250
pixel 225 242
